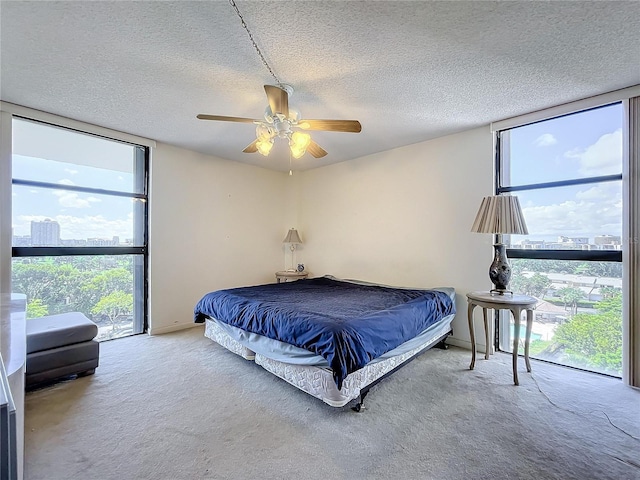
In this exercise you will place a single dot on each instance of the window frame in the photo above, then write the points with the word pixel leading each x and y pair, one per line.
pixel 502 335
pixel 588 255
pixel 142 153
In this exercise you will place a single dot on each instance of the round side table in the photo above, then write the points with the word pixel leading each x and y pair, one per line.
pixel 515 304
pixel 290 276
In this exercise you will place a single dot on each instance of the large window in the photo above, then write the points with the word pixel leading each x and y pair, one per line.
pixel 79 226
pixel 567 173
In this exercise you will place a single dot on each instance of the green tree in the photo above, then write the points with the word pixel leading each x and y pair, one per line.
pixel 594 339
pixel 571 296
pixel 609 292
pixel 103 284
pixel 56 285
pixel 114 305
pixel 35 309
pixel 602 269
pixel 535 285
pixel 612 304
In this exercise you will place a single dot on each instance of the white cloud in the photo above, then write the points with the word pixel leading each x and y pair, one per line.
pixel 73 200
pixel 545 140
pixel 71 171
pixel 66 181
pixel 595 211
pixel 602 158
pixel 601 193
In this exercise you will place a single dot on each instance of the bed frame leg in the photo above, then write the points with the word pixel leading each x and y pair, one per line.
pixel 442 345
pixel 360 405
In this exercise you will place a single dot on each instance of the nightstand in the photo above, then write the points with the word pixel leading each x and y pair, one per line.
pixel 515 304
pixel 287 276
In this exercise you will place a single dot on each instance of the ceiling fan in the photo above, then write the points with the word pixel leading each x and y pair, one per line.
pixel 284 122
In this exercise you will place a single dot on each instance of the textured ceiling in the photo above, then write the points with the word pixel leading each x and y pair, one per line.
pixel 409 71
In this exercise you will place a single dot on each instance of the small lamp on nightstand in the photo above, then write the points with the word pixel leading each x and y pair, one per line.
pixel 500 214
pixel 292 239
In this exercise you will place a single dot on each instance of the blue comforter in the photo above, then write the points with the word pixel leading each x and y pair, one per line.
pixel 349 324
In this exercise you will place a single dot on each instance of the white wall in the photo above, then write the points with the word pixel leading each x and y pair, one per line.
pixel 212 224
pixel 403 217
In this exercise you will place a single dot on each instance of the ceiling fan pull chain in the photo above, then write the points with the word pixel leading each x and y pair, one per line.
pixel 255 45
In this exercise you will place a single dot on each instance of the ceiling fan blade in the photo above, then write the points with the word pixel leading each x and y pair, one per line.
pixel 278 99
pixel 226 119
pixel 316 150
pixel 352 126
pixel 252 147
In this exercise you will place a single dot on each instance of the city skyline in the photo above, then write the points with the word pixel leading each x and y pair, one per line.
pixel 46 233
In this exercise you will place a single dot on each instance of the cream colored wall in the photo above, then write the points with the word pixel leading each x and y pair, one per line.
pixel 403 217
pixel 212 224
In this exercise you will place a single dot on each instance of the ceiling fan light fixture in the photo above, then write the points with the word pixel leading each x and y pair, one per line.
pixel 294 115
pixel 300 140
pixel 264 146
pixel 263 132
pixel 268 115
pixel 298 143
pixel 280 121
pixel 296 152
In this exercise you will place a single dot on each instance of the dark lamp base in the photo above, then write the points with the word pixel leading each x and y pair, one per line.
pixel 500 270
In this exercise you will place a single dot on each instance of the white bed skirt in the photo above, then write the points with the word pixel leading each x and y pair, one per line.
pixel 213 331
pixel 318 381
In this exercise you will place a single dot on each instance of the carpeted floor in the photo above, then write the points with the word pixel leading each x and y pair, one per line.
pixel 179 407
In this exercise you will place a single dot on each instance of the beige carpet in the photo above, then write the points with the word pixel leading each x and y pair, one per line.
pixel 178 406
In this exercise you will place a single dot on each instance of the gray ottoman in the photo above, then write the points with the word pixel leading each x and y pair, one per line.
pixel 59 346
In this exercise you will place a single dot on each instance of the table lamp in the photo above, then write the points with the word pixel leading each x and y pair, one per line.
pixel 292 239
pixel 500 214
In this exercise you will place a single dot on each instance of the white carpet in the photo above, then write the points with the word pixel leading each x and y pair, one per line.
pixel 178 406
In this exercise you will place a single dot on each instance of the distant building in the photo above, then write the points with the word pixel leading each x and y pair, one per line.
pixel 21 241
pixel 45 234
pixel 607 240
pixel 74 243
pixel 533 244
pixel 574 240
pixel 99 242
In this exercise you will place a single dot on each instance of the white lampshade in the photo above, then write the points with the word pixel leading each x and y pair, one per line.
pixel 264 146
pixel 500 214
pixel 292 237
pixel 299 143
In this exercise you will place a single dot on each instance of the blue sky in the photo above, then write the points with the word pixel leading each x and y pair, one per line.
pixel 588 144
pixel 80 215
pixel 55 155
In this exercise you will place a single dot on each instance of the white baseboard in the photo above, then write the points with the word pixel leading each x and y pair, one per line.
pixel 456 342
pixel 173 328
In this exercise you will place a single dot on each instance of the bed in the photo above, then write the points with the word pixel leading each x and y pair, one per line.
pixel 332 338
